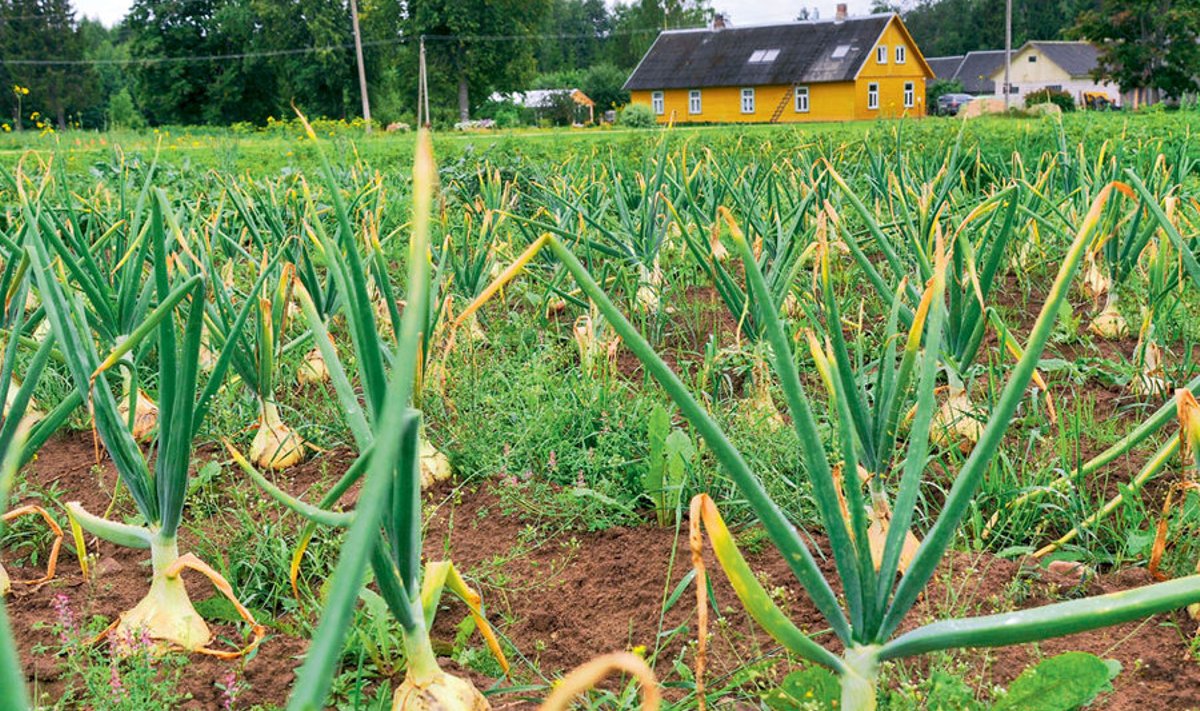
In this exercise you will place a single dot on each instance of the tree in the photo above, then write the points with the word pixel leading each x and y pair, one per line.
pixel 1146 44
pixel 948 27
pixel 44 30
pixel 477 45
pixel 604 84
pixel 636 25
pixel 164 33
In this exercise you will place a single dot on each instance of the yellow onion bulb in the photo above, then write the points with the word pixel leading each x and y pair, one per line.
pixel 276 446
pixel 435 466
pixel 313 369
pixel 954 423
pixel 1109 324
pixel 145 415
pixel 443 692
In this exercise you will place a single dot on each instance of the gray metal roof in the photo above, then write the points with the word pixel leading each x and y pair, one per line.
pixel 944 67
pixel 808 52
pixel 976 69
pixel 1076 58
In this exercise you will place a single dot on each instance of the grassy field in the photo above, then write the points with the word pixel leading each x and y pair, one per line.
pixel 988 321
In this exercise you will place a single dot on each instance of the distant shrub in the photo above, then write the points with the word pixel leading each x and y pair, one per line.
pixel 122 113
pixel 637 116
pixel 1059 98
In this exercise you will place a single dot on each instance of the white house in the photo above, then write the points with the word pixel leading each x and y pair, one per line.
pixel 1062 66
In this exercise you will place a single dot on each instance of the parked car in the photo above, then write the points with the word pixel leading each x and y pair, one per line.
pixel 949 104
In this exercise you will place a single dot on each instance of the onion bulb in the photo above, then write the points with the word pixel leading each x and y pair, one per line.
pixel 879 516
pixel 1152 380
pixel 145 416
pixel 5 582
pixel 954 422
pixel 165 614
pixel 760 398
pixel 442 692
pixel 1109 324
pixel 312 369
pixel 719 252
pixel 435 466
pixel 1095 284
pixel 276 446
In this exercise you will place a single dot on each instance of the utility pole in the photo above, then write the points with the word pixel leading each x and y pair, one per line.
pixel 1007 52
pixel 362 70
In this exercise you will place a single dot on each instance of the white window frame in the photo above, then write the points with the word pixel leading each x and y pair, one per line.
pixel 872 96
pixel 881 54
pixel 910 94
pixel 695 102
pixel 901 54
pixel 802 98
pixel 748 93
pixel 658 103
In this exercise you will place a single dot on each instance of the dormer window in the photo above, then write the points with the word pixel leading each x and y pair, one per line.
pixel 763 56
pixel 841 51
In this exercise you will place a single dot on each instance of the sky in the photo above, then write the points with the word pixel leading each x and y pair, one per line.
pixel 741 12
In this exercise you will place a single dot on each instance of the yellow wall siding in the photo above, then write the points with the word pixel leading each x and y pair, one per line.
pixel 838 101
pixel 827 102
pixel 891 77
pixel 833 101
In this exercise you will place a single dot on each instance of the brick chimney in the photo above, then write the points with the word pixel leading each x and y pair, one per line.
pixel 841 12
pixel 720 21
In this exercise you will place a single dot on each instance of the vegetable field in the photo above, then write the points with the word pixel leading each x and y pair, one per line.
pixel 892 415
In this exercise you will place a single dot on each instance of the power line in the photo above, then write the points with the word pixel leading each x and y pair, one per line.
pixel 146 61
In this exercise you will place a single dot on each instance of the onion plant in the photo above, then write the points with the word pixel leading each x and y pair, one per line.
pixel 977 247
pixel 20 434
pixel 385 526
pixel 104 253
pixel 781 218
pixel 165 613
pixel 876 603
pixel 275 445
pixel 12 677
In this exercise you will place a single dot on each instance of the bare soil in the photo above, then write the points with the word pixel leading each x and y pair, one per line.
pixel 564 599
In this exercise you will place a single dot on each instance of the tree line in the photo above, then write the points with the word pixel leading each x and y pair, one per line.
pixel 222 62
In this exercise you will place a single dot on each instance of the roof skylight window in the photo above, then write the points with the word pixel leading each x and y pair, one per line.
pixel 841 51
pixel 763 56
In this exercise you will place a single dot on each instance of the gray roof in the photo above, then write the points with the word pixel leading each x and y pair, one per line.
pixel 945 67
pixel 974 69
pixel 1076 58
pixel 690 59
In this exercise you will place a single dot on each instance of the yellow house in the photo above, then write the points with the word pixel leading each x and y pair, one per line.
pixel 827 70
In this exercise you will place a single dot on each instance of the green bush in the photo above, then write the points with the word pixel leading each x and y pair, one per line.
pixel 637 116
pixel 1058 97
pixel 122 113
pixel 604 84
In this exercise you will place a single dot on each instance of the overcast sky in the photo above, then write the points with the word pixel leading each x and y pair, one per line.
pixel 741 12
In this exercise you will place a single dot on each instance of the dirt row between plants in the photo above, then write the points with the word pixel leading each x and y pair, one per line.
pixel 564 599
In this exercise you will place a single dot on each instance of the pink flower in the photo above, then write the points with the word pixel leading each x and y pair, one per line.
pixel 231 688
pixel 114 682
pixel 65 615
